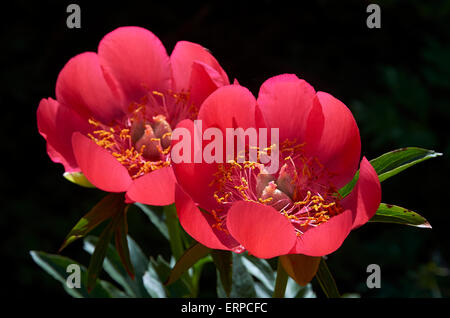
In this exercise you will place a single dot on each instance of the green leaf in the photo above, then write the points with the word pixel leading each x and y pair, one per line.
pixel 178 289
pixel 243 285
pixel 56 266
pixel 121 232
pixel 96 261
pixel 174 230
pixel 108 207
pixel 224 265
pixel 260 269
pixel 294 290
pixel 388 213
pixel 197 271
pixel 153 284
pixel 187 260
pixel 326 281
pixel 392 163
pixel 78 178
pixel 115 269
pixel 155 218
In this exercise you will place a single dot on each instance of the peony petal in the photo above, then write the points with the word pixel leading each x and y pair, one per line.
pixel 199 224
pixel 286 102
pixel 81 85
pixel 195 178
pixel 261 229
pixel 365 198
pixel 137 60
pixel 339 147
pixel 182 59
pixel 231 106
pixel 154 188
pixel 325 238
pixel 99 166
pixel 56 123
pixel 204 81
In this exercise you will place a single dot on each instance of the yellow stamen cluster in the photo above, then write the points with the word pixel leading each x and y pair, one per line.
pixel 118 141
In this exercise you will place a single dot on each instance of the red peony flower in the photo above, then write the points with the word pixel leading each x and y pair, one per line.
pixel 115 110
pixel 295 210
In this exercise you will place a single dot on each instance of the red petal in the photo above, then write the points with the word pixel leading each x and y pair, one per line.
pixel 286 102
pixel 325 238
pixel 56 123
pixel 198 224
pixel 230 106
pixel 182 58
pixel 204 81
pixel 195 178
pixel 365 198
pixel 261 229
pixel 154 188
pixel 137 60
pixel 99 166
pixel 339 147
pixel 81 85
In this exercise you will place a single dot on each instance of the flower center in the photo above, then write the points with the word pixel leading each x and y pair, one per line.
pixel 141 141
pixel 301 190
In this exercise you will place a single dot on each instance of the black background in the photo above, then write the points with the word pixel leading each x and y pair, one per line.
pixel 396 81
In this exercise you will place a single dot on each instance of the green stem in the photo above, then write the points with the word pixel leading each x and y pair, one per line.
pixel 281 281
pixel 173 227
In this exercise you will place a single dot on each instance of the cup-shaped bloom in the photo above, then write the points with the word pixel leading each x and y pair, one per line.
pixel 115 109
pixel 291 206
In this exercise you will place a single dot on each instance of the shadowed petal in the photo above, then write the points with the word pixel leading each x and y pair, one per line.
pixel 286 102
pixel 137 60
pixel 325 238
pixel 184 55
pixel 56 123
pixel 199 224
pixel 154 188
pixel 339 147
pixel 99 166
pixel 262 230
pixel 365 198
pixel 81 85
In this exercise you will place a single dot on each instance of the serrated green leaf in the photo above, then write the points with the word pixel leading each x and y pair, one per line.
pixel 392 163
pixel 186 261
pixel 56 266
pixel 326 281
pixel 108 207
pixel 388 213
pixel 224 265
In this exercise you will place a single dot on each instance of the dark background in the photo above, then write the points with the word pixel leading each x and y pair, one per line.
pixel 396 81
